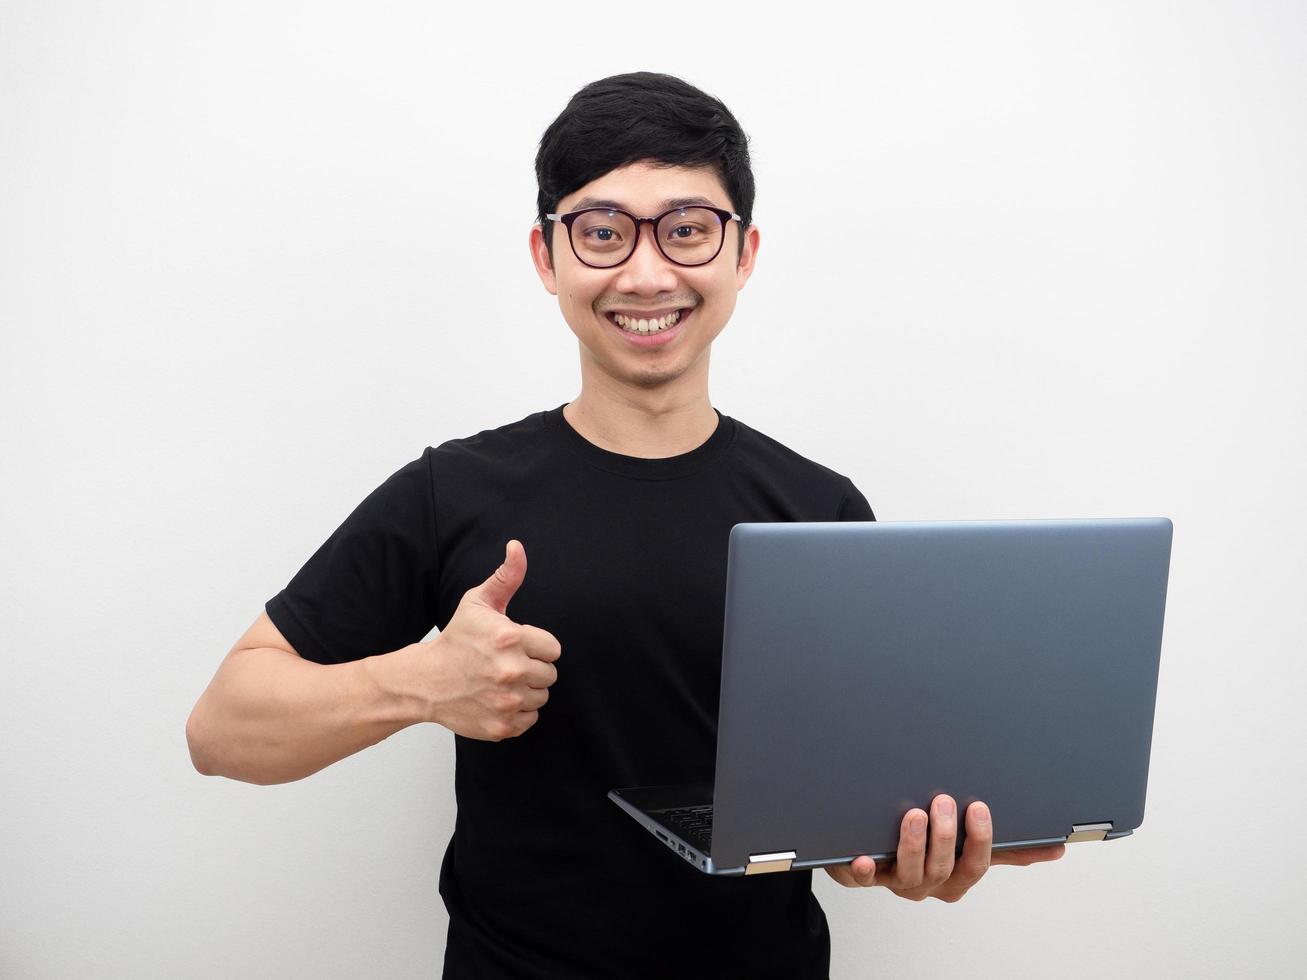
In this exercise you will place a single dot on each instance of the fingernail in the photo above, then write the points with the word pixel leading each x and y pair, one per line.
pixel 946 808
pixel 918 825
pixel 982 814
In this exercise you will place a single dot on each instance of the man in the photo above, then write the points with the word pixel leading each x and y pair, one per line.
pixel 624 498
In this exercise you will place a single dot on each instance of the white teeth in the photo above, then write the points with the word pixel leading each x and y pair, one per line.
pixel 632 325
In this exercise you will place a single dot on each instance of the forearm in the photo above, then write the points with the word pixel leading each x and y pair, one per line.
pixel 269 716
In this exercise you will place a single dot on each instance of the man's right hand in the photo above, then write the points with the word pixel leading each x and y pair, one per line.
pixel 485 676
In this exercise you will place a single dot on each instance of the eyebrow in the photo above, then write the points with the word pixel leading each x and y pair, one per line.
pixel 667 205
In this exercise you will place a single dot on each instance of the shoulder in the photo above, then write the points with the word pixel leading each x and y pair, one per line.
pixel 757 449
pixel 802 485
pixel 490 445
pixel 488 465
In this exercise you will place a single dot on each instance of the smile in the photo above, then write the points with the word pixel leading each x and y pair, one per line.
pixel 656 328
pixel 646 324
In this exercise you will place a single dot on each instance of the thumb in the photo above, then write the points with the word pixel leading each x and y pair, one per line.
pixel 505 580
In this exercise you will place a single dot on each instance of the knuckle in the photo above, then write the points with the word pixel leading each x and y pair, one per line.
pixel 912 858
pixel 508 673
pixel 937 877
pixel 910 880
pixel 504 638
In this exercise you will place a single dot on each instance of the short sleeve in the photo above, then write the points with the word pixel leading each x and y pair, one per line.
pixel 854 507
pixel 371 587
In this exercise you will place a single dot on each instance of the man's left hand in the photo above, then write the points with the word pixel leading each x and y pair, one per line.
pixel 920 872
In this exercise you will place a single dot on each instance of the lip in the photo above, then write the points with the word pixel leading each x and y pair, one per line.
pixel 661 339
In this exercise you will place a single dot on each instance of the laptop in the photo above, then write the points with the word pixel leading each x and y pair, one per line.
pixel 868 666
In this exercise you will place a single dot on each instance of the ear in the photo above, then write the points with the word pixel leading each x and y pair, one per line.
pixel 747 258
pixel 540 257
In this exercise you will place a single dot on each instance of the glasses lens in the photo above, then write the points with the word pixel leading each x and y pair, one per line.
pixel 602 237
pixel 690 236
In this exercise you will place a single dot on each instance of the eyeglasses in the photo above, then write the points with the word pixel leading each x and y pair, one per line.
pixel 606 237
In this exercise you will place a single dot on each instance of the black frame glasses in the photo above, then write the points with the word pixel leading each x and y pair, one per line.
pixel 723 217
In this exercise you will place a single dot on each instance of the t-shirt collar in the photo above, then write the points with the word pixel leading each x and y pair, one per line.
pixel 663 468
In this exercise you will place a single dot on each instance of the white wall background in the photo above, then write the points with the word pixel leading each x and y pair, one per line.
pixel 255 256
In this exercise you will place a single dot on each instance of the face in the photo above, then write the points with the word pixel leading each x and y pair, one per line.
pixel 647 285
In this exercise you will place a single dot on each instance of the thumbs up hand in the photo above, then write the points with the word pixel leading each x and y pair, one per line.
pixel 485 676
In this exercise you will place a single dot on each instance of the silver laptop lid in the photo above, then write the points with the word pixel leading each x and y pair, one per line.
pixel 867 667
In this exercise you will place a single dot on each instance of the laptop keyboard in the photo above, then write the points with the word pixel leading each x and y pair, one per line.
pixel 694 823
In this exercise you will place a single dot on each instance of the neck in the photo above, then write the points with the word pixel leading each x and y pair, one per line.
pixel 647 424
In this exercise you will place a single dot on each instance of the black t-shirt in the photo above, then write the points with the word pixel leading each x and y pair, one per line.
pixel 626 565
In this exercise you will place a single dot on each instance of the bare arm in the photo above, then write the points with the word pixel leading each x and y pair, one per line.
pixel 270 716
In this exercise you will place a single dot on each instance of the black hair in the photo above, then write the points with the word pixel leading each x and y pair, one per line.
pixel 641 115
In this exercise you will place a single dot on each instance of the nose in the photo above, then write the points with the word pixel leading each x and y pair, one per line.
pixel 647 271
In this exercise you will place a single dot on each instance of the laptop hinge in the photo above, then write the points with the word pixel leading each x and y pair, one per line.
pixel 763 863
pixel 1088 831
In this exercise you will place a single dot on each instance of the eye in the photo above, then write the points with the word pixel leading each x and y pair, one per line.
pixel 687 233
pixel 600 234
